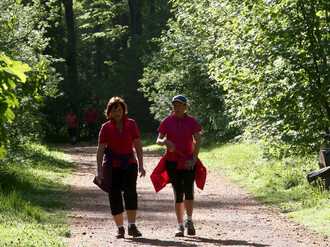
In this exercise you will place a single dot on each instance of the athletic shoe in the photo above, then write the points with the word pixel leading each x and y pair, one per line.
pixel 190 227
pixel 179 232
pixel 121 232
pixel 133 231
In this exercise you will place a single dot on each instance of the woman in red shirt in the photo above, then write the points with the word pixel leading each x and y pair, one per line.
pixel 180 164
pixel 117 167
pixel 72 122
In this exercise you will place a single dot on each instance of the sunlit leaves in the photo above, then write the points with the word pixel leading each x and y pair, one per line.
pixel 281 55
pixel 11 73
pixel 23 27
pixel 271 58
pixel 98 19
pixel 182 66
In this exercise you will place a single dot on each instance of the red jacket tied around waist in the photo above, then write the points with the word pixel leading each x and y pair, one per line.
pixel 160 178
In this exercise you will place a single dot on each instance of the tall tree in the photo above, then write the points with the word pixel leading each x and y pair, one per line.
pixel 108 49
pixel 71 79
pixel 112 35
pixel 136 17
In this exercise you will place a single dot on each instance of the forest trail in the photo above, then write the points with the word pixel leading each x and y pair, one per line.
pixel 224 214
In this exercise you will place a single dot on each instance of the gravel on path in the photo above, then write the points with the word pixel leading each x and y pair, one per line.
pixel 224 215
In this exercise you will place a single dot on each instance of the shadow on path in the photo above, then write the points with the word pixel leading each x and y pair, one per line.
pixel 194 241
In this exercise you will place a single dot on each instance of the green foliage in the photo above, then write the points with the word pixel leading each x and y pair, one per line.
pixel 108 58
pixel 276 70
pixel 11 74
pixel 22 38
pixel 32 192
pixel 262 67
pixel 97 19
pixel 279 182
pixel 181 66
pixel 108 44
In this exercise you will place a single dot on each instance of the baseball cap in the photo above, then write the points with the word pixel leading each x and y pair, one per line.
pixel 179 98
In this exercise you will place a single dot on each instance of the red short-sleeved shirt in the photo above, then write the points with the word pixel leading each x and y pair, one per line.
pixel 72 120
pixel 180 132
pixel 120 142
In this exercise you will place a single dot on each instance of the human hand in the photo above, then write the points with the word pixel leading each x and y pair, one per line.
pixel 99 178
pixel 170 145
pixel 142 171
pixel 190 164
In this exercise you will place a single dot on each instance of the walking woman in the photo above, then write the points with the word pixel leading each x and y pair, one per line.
pixel 72 123
pixel 180 164
pixel 117 168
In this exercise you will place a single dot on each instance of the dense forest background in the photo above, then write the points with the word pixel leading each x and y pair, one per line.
pixel 257 70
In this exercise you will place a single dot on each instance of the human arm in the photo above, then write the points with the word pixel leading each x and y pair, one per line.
pixel 198 142
pixel 164 142
pixel 139 153
pixel 99 160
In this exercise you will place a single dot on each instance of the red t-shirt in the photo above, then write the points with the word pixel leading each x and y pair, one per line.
pixel 120 142
pixel 180 132
pixel 71 120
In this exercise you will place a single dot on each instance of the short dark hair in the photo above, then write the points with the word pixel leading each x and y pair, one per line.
pixel 113 104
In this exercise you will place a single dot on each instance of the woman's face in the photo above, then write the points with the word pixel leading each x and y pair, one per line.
pixel 179 109
pixel 117 113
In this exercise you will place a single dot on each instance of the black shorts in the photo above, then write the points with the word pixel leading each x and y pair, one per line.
pixel 91 127
pixel 182 181
pixel 123 180
pixel 73 132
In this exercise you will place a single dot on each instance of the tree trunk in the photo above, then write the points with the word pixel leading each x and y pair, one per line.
pixel 71 58
pixel 321 177
pixel 99 57
pixel 151 6
pixel 151 13
pixel 317 57
pixel 136 17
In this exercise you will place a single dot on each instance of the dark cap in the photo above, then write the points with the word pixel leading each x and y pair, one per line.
pixel 179 98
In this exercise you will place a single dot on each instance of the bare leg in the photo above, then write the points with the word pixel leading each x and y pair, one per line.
pixel 189 204
pixel 179 210
pixel 131 216
pixel 119 219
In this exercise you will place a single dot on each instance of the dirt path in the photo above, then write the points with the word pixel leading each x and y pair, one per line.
pixel 224 214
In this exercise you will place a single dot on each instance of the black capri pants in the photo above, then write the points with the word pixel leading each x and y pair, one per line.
pixel 182 181
pixel 123 180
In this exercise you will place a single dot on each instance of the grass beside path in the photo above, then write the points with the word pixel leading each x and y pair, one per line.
pixel 32 196
pixel 279 183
